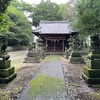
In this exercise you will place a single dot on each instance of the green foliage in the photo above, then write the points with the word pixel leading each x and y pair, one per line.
pixel 46 11
pixel 3 23
pixel 3 5
pixel 61 8
pixel 88 17
pixel 22 6
pixel 19 32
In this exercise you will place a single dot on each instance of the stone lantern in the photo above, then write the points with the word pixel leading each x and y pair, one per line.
pixel 75 55
pixel 7 73
pixel 91 72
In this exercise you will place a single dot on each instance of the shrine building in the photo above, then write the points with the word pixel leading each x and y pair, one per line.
pixel 54 35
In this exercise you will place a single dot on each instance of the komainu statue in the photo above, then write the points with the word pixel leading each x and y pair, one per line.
pixel 3 45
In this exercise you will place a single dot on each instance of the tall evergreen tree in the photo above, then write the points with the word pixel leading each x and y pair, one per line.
pixel 46 11
pixel 88 17
pixel 19 31
pixel 3 23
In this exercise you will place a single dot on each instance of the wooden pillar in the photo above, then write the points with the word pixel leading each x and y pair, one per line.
pixel 63 46
pixel 46 45
pixel 54 45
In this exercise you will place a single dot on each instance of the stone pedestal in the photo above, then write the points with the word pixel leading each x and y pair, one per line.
pixel 75 57
pixel 32 57
pixel 91 73
pixel 7 72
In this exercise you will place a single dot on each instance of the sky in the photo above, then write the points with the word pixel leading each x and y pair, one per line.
pixel 38 1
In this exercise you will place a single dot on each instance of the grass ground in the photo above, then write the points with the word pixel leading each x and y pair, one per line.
pixel 17 59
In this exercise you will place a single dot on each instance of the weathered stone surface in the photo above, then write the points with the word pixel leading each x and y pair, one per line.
pixel 75 57
pixel 5 64
pixel 32 59
pixel 91 73
pixel 93 64
pixel 91 80
pixel 7 73
pixel 4 55
pixel 8 79
pixel 32 54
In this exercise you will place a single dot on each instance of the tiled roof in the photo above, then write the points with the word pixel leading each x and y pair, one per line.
pixel 54 27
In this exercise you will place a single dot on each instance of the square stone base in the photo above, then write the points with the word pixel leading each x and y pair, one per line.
pixel 91 73
pixel 90 80
pixel 6 72
pixel 32 60
pixel 93 64
pixel 76 59
pixel 5 64
pixel 8 79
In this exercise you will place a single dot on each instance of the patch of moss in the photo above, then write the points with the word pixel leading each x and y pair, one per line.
pixel 73 84
pixel 35 85
pixel 53 58
pixel 46 85
pixel 94 95
pixel 3 96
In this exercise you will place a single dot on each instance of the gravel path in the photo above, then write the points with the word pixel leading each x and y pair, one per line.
pixel 48 84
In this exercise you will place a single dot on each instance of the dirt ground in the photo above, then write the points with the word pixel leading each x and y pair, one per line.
pixel 25 72
pixel 76 86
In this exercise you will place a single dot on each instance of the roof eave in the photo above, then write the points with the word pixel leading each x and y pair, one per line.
pixel 36 33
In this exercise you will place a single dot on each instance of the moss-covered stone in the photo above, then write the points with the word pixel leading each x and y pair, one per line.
pixel 7 73
pixel 75 54
pixel 76 59
pixel 5 64
pixel 93 64
pixel 91 80
pixel 4 55
pixel 32 59
pixel 93 56
pixel 8 79
pixel 92 73
pixel 4 73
